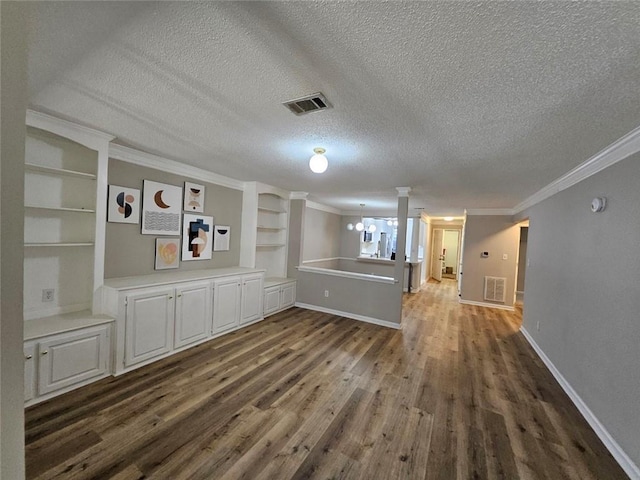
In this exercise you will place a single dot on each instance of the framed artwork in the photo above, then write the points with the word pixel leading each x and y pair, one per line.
pixel 123 205
pixel 197 233
pixel 221 238
pixel 161 208
pixel 193 197
pixel 167 253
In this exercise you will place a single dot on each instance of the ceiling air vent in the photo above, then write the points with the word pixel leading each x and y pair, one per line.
pixel 308 104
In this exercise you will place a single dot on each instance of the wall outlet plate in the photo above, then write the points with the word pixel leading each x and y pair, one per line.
pixel 48 294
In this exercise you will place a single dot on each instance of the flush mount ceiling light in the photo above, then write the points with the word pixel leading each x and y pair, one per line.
pixel 448 219
pixel 318 163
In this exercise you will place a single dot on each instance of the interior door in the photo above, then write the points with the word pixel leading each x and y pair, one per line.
pixel 436 254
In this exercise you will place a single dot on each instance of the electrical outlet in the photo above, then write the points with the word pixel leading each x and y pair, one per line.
pixel 47 294
pixel 326 293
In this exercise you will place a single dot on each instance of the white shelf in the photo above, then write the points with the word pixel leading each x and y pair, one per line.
pixel 271 210
pixel 270 245
pixel 60 209
pixel 58 171
pixel 43 326
pixel 61 244
pixel 262 227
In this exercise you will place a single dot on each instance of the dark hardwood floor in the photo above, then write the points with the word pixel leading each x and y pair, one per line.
pixel 456 394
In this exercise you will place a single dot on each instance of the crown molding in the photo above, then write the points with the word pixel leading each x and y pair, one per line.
pixel 298 195
pixel 491 211
pixel 323 208
pixel 617 151
pixel 144 159
pixel 90 138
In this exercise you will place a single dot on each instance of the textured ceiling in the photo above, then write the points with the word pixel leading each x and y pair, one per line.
pixel 473 105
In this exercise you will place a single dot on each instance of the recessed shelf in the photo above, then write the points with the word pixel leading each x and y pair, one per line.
pixel 60 244
pixel 60 209
pixel 58 171
pixel 262 227
pixel 271 210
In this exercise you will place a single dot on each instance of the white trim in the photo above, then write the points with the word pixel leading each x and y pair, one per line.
pixel 340 273
pixel 618 453
pixel 353 316
pixel 491 211
pixel 298 195
pixel 156 162
pixel 403 191
pixel 617 151
pixel 323 208
pixel 86 136
pixel 305 262
pixel 484 304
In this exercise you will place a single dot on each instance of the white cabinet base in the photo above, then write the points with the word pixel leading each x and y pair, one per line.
pixel 279 294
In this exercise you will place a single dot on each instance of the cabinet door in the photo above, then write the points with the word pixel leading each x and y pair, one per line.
pixel 148 325
pixel 193 313
pixel 271 300
pixel 29 371
pixel 252 292
pixel 288 295
pixel 226 304
pixel 72 358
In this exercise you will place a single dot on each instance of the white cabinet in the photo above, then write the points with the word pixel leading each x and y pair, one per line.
pixel 29 371
pixel 72 358
pixel 193 313
pixel 252 289
pixel 279 294
pixel 149 324
pixel 226 303
pixel 61 362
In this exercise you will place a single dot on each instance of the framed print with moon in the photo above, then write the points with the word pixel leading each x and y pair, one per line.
pixel 197 232
pixel 193 197
pixel 123 205
pixel 161 208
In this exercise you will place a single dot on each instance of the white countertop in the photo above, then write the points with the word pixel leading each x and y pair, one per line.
pixel 165 278
pixel 41 327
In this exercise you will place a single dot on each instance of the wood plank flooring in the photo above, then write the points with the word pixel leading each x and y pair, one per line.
pixel 456 394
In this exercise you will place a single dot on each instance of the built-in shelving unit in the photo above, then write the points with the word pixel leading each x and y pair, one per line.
pixel 271 233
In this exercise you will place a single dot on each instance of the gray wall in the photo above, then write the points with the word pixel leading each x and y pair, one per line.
pixel 583 286
pixel 522 258
pixel 497 235
pixel 13 102
pixel 321 235
pixel 350 295
pixel 128 252
pixel 349 239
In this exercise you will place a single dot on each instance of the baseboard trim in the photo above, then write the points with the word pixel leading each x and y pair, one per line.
pixel 618 453
pixel 489 305
pixel 353 316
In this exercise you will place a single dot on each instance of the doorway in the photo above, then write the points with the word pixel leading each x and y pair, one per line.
pixel 450 252
pixel 521 266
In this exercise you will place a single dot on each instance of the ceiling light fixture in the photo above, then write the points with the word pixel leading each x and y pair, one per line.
pixel 318 163
pixel 372 228
pixel 360 225
pixel 448 219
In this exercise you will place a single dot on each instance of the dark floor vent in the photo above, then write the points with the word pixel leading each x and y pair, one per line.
pixel 308 104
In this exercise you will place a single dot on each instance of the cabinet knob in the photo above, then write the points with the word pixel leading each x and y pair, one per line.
pixel 28 357
pixel 179 295
pixel 170 297
pixel 45 352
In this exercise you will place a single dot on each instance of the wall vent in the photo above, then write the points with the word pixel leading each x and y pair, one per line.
pixel 308 104
pixel 495 288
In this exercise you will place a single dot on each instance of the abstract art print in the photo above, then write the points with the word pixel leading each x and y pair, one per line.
pixel 161 208
pixel 123 205
pixel 193 197
pixel 197 232
pixel 167 253
pixel 221 237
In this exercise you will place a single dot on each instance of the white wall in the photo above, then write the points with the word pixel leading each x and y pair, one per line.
pixel 583 288
pixel 13 102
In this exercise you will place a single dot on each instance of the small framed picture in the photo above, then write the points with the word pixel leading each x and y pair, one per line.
pixel 197 233
pixel 193 197
pixel 123 205
pixel 167 253
pixel 221 238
